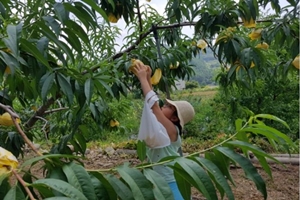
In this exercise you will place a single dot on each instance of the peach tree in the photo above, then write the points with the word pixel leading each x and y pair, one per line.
pixel 59 62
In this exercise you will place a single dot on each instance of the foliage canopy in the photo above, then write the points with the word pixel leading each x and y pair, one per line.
pixel 59 56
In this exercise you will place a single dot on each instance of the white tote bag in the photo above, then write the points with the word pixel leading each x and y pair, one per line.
pixel 151 130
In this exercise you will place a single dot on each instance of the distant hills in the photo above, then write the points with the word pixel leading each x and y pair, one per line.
pixel 205 67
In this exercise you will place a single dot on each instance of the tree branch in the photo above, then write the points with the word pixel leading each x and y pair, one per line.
pixel 139 16
pixel 24 184
pixel 40 112
pixel 142 36
pixel 13 117
pixel 44 126
pixel 177 25
pixel 55 110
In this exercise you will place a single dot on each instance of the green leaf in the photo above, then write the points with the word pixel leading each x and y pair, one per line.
pixel 15 193
pixel 45 191
pixel 49 34
pixel 56 173
pixel 46 82
pixel 231 72
pixel 12 41
pixel 88 90
pixel 137 182
pixel 161 188
pixel 241 135
pixel 87 14
pixel 72 39
pixel 78 14
pixel 2 10
pixel 275 5
pixel 4 185
pixel 76 146
pixel 58 198
pixel 33 161
pixel 79 178
pixel 29 47
pixel 120 188
pixel 5 3
pixel 294 49
pixel 100 190
pixel 260 154
pixel 96 7
pixel 42 45
pixel 62 14
pixel 27 177
pixel 182 182
pixel 111 2
pixel 269 132
pixel 272 117
pixel 250 147
pixel 263 162
pixel 198 177
pixel 3 177
pixel 79 32
pixel 53 24
pixel 10 61
pixel 81 141
pixel 217 175
pixel 109 192
pixel 222 162
pixel 94 109
pixel 247 166
pixel 251 5
pixel 66 87
pixel 246 56
pixel 107 87
pixel 141 150
pixel 62 187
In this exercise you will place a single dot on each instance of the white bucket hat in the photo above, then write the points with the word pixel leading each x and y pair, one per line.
pixel 185 111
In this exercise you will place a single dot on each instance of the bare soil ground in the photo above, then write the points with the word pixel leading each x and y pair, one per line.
pixel 284 186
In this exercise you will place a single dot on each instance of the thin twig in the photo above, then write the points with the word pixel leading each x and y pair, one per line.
pixel 24 184
pixel 44 126
pixel 55 110
pixel 26 138
pixel 58 102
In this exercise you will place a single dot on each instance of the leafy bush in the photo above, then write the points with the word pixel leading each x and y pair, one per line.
pixel 267 97
pixel 126 111
pixel 191 84
pixel 210 120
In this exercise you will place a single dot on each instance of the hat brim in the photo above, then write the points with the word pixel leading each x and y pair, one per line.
pixel 178 112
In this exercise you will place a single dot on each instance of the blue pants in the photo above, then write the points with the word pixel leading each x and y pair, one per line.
pixel 175 190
